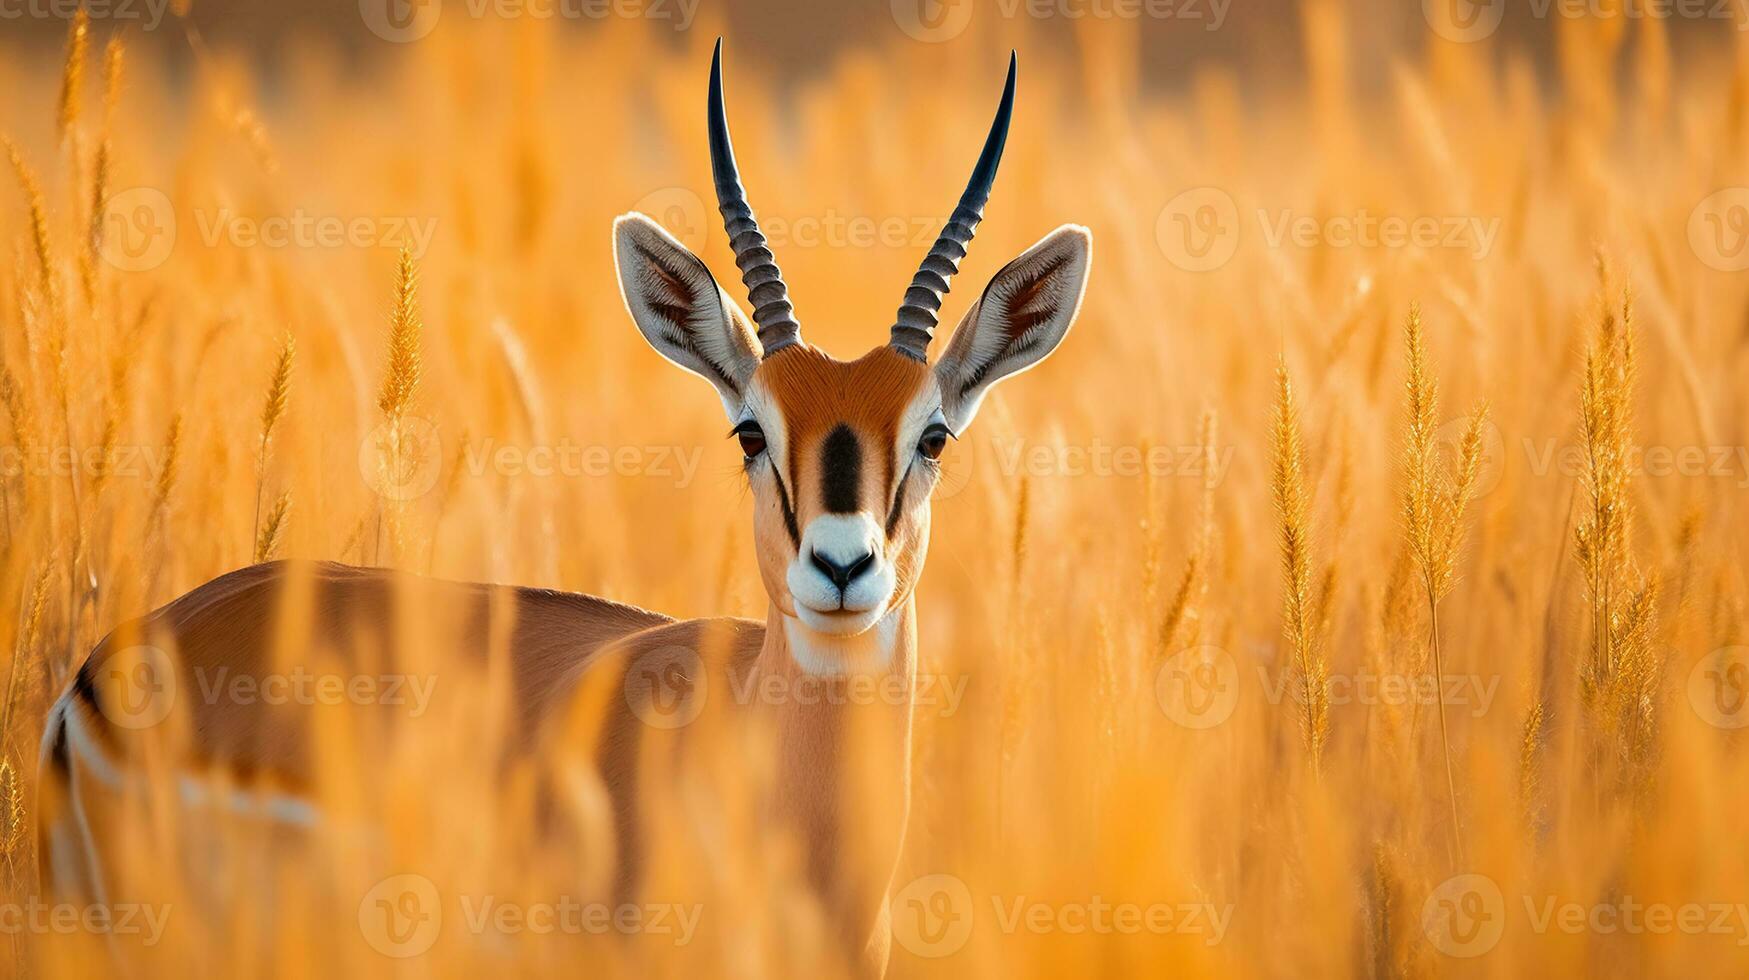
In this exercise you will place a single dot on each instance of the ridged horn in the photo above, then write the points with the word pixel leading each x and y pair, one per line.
pixel 919 313
pixel 766 291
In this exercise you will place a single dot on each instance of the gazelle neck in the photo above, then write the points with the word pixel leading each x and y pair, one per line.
pixel 844 771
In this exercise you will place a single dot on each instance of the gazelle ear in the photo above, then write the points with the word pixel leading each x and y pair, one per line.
pixel 680 309
pixel 1023 314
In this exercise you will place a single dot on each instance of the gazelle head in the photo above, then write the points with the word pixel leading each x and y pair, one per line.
pixel 842 456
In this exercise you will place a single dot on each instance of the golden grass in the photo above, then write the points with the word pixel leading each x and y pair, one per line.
pixel 1531 575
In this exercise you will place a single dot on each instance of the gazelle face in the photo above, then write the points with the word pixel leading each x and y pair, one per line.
pixel 842 456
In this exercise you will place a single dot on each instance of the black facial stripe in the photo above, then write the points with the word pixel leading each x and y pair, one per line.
pixel 840 471
pixel 898 504
pixel 789 513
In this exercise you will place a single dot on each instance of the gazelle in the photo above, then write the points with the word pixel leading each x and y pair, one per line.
pixel 841 458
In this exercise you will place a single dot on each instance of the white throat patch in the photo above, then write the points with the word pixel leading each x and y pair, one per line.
pixel 826 655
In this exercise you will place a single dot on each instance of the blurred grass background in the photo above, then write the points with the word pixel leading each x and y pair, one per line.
pixel 1065 591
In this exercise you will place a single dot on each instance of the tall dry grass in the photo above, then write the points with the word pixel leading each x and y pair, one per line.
pixel 1557 594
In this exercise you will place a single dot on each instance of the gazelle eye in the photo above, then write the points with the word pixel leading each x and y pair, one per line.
pixel 752 438
pixel 933 442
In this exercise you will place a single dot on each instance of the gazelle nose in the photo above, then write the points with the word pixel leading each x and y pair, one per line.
pixel 842 574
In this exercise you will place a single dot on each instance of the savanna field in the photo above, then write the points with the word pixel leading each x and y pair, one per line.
pixel 1359 591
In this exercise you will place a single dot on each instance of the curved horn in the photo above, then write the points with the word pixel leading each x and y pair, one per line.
pixel 917 318
pixel 759 273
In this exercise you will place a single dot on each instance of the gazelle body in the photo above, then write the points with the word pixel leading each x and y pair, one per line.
pixel 841 458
